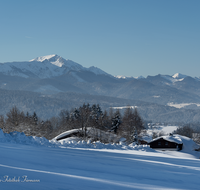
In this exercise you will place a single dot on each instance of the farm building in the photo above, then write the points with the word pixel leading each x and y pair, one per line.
pixel 91 133
pixel 70 133
pixel 171 142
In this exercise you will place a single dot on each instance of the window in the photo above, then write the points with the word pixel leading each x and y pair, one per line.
pixel 166 143
pixel 159 143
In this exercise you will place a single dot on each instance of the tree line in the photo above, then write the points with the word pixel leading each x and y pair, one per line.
pixel 129 125
pixel 105 124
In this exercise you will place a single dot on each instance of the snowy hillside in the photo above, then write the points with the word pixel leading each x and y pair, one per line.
pixel 45 67
pixel 128 78
pixel 174 78
pixel 179 76
pixel 25 164
pixel 170 78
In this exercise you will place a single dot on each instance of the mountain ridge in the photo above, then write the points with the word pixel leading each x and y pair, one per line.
pixel 51 75
pixel 45 67
pixel 56 65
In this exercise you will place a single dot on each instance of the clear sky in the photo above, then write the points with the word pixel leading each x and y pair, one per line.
pixel 122 37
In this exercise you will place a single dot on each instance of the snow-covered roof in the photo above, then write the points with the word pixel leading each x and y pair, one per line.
pixel 146 138
pixel 90 132
pixel 66 133
pixel 171 138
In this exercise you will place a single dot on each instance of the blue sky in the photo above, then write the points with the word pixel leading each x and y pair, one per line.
pixel 122 37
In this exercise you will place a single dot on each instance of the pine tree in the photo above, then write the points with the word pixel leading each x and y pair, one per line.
pixel 35 118
pixel 116 121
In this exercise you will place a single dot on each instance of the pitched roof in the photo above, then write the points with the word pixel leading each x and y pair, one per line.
pixel 171 138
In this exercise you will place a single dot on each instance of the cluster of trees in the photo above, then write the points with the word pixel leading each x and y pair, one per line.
pixel 128 125
pixel 190 130
pixel 17 120
pixel 185 131
pixel 112 123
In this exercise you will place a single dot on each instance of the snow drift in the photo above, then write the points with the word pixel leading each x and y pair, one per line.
pixel 189 145
pixel 21 138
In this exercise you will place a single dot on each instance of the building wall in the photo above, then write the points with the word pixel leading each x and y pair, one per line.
pixel 161 143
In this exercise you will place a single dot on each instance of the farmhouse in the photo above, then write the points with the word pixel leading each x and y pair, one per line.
pixel 167 143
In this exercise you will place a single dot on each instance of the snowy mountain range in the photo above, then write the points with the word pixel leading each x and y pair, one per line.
pixel 53 65
pixel 53 76
pixel 171 78
pixel 45 67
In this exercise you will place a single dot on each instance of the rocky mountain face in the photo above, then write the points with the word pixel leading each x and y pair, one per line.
pixel 50 76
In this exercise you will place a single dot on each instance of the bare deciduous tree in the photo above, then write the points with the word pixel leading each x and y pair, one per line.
pixel 132 125
pixel 184 131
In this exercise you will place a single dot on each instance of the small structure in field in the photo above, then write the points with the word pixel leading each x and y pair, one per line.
pixel 70 133
pixel 171 142
pixel 91 133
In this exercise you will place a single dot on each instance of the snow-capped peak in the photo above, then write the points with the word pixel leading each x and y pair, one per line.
pixel 53 59
pixel 42 58
pixel 179 76
pixel 45 67
pixel 174 78
pixel 58 61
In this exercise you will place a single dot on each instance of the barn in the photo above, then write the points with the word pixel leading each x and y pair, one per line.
pixel 167 143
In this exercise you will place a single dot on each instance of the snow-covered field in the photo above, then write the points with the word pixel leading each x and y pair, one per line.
pixel 182 105
pixel 161 128
pixel 35 163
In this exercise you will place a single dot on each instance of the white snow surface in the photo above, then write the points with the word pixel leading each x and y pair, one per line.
pixel 66 133
pixel 182 105
pixel 162 128
pixel 128 77
pixel 147 138
pixel 125 107
pixel 173 78
pixel 179 76
pixel 36 163
pixel 156 96
pixel 42 58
